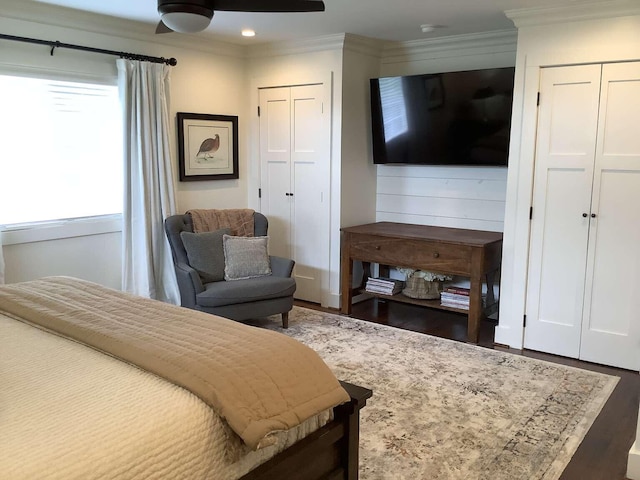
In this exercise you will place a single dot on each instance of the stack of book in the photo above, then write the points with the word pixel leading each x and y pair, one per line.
pixel 456 297
pixel 385 286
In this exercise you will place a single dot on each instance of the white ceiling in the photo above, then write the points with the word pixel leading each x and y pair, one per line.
pixel 397 20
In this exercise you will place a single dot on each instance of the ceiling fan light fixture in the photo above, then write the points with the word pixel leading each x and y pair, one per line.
pixel 184 22
pixel 186 16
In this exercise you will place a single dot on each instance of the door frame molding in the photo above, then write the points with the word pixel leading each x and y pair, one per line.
pixel 254 164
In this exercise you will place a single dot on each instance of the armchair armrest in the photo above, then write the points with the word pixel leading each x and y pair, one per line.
pixel 281 267
pixel 189 283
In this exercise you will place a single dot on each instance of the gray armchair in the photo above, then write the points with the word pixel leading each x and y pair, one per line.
pixel 234 299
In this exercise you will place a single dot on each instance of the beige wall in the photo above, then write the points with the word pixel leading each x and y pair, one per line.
pixel 207 79
pixel 358 173
pixel 221 79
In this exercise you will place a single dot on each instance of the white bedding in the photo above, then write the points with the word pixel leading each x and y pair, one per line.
pixel 70 412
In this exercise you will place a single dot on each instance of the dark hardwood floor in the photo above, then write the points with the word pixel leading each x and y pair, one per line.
pixel 603 453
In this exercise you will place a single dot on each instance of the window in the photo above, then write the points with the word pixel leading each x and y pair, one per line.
pixel 61 150
pixel 393 106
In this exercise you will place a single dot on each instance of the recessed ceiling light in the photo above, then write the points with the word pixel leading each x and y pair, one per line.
pixel 428 27
pixel 247 32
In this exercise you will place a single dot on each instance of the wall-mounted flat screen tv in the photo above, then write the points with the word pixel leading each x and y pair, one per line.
pixel 454 118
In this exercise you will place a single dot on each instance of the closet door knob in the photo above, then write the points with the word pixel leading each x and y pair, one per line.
pixel 593 215
pixel 584 215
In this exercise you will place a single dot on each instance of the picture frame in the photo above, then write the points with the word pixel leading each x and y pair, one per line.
pixel 207 146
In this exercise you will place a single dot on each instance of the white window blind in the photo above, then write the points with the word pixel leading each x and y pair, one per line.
pixel 393 107
pixel 60 150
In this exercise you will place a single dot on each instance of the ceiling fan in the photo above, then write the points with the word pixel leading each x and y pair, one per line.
pixel 190 16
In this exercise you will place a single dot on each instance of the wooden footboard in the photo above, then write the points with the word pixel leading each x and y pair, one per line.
pixel 330 453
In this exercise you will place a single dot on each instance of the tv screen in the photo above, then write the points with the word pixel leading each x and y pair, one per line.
pixel 455 118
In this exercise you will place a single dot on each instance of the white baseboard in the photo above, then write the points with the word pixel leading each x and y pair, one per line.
pixel 633 465
pixel 333 300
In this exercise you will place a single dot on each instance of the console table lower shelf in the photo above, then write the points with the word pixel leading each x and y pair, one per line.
pixel 435 304
pixel 474 254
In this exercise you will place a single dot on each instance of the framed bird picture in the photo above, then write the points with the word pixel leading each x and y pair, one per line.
pixel 207 146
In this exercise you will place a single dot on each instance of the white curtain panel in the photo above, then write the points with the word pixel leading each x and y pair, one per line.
pixel 149 184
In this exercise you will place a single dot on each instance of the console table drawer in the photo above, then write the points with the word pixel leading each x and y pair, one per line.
pixel 419 254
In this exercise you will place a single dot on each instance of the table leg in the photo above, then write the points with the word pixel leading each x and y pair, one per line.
pixel 475 310
pixel 346 277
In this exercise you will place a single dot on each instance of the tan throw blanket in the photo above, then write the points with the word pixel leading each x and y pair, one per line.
pixel 259 381
pixel 239 220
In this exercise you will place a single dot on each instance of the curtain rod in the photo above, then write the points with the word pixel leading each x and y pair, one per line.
pixel 55 44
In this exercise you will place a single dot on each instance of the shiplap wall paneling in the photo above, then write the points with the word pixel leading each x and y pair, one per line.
pixel 471 198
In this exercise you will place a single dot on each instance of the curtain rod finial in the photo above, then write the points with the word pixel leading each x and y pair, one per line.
pixel 172 61
pixel 54 45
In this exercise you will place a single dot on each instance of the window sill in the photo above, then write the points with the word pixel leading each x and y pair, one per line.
pixel 60 229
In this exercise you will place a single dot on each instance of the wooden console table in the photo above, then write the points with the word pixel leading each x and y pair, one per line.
pixel 467 253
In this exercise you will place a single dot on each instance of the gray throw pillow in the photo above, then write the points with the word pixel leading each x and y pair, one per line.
pixel 245 257
pixel 205 253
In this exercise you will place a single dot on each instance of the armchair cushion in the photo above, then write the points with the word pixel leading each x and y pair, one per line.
pixel 245 257
pixel 218 294
pixel 205 253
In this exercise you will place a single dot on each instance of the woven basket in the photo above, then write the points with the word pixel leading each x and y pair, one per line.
pixel 418 287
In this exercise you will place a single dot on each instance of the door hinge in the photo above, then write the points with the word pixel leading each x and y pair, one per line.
pixel 538 99
pixel 530 213
pixel 524 320
pixel 258 110
pixel 259 193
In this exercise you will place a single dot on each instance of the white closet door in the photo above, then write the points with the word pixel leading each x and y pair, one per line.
pixel 567 124
pixel 275 167
pixel 310 150
pixel 611 326
pixel 295 145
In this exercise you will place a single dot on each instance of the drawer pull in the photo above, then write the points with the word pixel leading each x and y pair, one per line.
pixel 436 255
pixel 377 247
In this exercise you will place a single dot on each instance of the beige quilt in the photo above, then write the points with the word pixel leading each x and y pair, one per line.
pixel 259 381
pixel 69 412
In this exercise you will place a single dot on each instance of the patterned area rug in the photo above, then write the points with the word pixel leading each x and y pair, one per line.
pixel 448 410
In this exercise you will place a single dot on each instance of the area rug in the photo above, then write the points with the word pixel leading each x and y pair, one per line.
pixel 448 410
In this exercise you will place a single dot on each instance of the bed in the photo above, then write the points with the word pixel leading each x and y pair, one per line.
pixel 97 383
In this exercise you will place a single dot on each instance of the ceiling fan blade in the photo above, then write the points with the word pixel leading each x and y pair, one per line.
pixel 162 28
pixel 269 6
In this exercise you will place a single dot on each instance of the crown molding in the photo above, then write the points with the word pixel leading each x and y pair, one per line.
pixel 56 16
pixel 342 41
pixel 454 45
pixel 372 47
pixel 305 45
pixel 573 12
